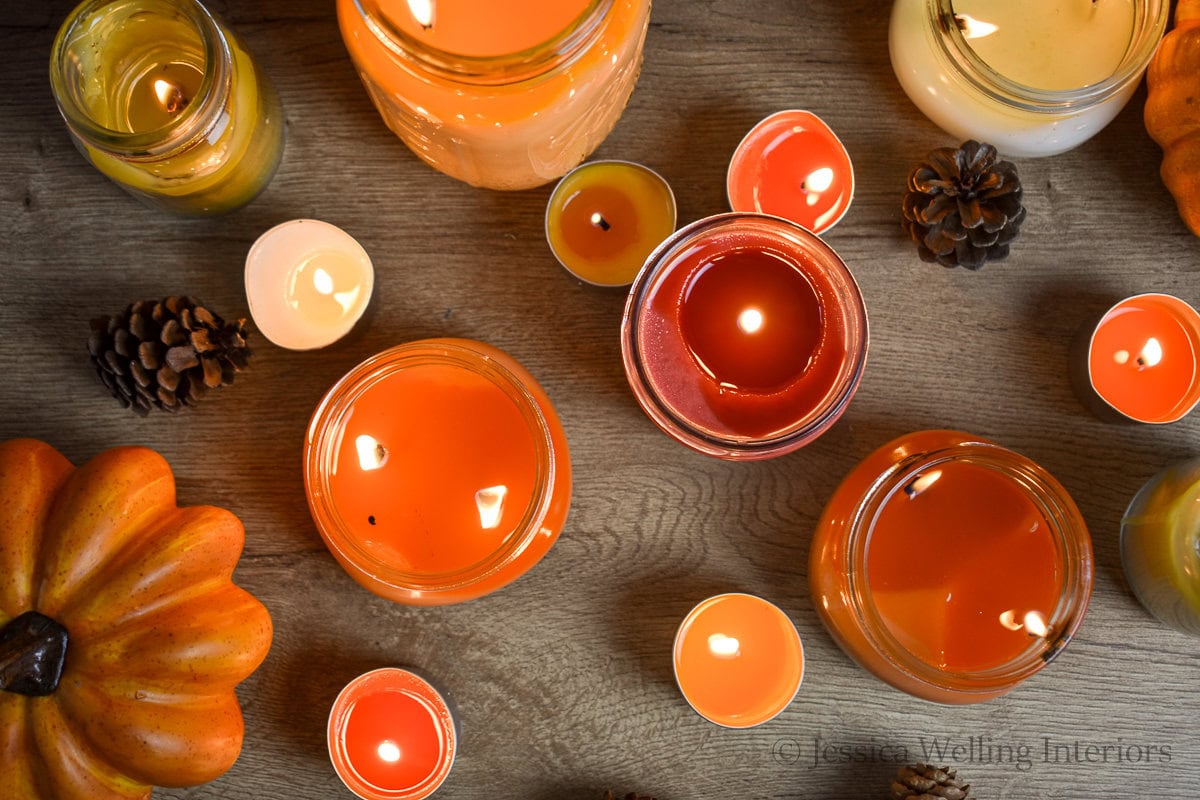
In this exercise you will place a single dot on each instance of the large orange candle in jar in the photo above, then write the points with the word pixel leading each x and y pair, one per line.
pixel 1141 362
pixel 738 660
pixel 501 95
pixel 437 471
pixel 950 567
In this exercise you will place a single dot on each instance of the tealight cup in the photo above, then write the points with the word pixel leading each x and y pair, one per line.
pixel 605 217
pixel 738 660
pixel 307 283
pixel 792 165
pixel 1140 362
pixel 391 736
pixel 950 567
pixel 744 336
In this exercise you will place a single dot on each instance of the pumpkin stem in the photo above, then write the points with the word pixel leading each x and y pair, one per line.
pixel 33 649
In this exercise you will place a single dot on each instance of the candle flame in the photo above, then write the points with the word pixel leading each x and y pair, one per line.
pixel 922 482
pixel 422 11
pixel 599 221
pixel 1035 623
pixel 819 180
pixel 388 751
pixel 490 504
pixel 170 96
pixel 750 320
pixel 1152 353
pixel 974 28
pixel 371 454
pixel 723 646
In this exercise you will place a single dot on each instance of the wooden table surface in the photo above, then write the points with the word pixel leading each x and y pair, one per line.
pixel 564 678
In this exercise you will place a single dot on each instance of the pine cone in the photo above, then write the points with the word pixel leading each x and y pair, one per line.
pixel 963 207
pixel 927 782
pixel 166 354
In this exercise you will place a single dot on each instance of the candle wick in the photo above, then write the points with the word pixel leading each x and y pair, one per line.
pixel 600 222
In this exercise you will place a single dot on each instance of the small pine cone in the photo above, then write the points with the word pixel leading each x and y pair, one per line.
pixel 927 782
pixel 166 354
pixel 963 207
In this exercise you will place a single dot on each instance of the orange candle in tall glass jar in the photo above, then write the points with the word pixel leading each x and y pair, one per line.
pixel 437 471
pixel 1143 359
pixel 501 95
pixel 738 660
pixel 950 567
pixel 604 218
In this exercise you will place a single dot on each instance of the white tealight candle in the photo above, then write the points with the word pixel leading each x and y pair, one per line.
pixel 307 283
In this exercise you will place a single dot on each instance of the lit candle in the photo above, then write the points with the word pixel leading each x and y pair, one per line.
pixel 164 99
pixel 391 736
pixel 1032 77
pixel 307 283
pixel 738 660
pixel 1160 546
pixel 437 471
pixel 1003 575
pixel 604 218
pixel 1141 362
pixel 792 165
pixel 503 95
pixel 744 336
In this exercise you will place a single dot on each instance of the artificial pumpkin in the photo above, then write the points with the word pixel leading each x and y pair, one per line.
pixel 1172 113
pixel 156 634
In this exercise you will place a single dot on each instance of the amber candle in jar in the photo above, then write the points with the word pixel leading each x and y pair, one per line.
pixel 165 100
pixel 950 567
pixel 437 471
pixel 744 336
pixel 501 95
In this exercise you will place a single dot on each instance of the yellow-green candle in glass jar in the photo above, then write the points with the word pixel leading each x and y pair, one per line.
pixel 165 100
pixel 1160 546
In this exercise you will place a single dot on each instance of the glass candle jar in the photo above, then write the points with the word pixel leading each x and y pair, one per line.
pixel 437 471
pixel 950 567
pixel 500 95
pixel 1160 546
pixel 392 736
pixel 164 99
pixel 1032 77
pixel 744 336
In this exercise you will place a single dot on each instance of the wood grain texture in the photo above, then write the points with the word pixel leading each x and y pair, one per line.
pixel 563 679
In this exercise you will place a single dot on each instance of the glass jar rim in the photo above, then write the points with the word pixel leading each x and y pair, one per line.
pixel 1148 29
pixel 326 429
pixel 498 70
pixel 1071 542
pixel 820 418
pixel 193 124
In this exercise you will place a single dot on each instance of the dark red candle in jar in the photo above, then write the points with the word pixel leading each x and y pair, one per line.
pixel 745 336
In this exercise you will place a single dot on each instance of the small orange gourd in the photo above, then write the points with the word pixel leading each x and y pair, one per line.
pixel 122 636
pixel 1172 113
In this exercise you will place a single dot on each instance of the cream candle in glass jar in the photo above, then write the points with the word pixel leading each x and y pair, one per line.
pixel 1032 77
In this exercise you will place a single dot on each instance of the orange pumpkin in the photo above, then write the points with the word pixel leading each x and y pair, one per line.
pixel 156 634
pixel 1172 113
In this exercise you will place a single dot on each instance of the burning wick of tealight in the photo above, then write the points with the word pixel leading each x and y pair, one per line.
pixel 599 221
pixel 422 11
pixel 973 28
pixel 170 96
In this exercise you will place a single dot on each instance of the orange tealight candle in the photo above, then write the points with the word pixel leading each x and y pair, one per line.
pixel 792 165
pixel 605 217
pixel 738 660
pixel 1142 359
pixel 391 736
